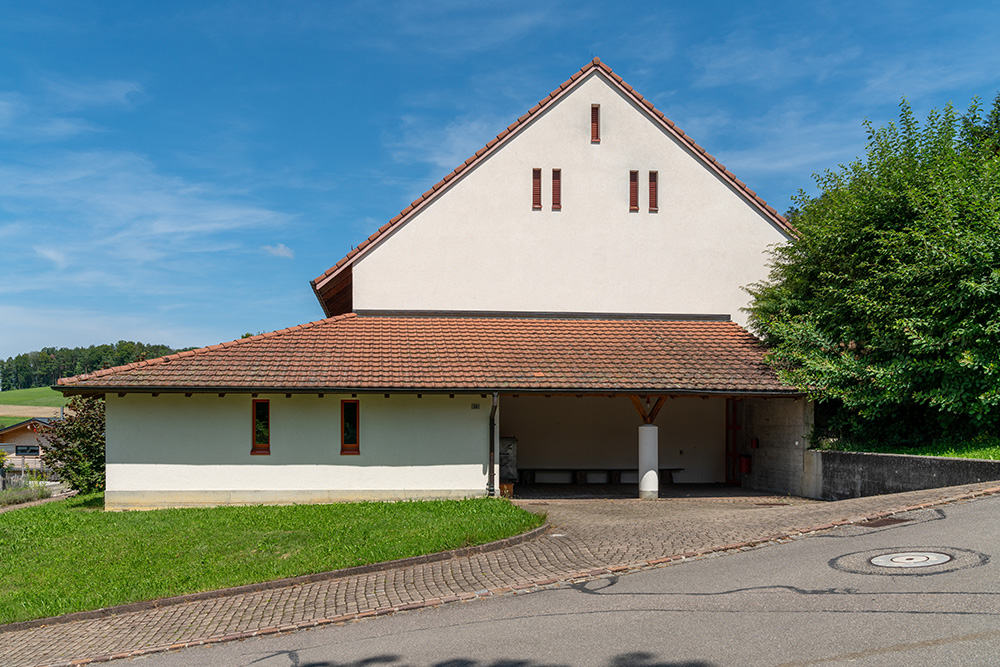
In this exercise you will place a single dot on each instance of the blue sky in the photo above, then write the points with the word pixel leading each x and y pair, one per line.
pixel 177 172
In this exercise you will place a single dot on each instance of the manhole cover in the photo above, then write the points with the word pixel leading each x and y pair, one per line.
pixel 911 559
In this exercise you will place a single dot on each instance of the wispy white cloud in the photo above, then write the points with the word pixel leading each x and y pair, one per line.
pixel 26 120
pixel 280 250
pixel 56 257
pixel 456 28
pixel 742 59
pixel 445 147
pixel 72 95
pixel 111 218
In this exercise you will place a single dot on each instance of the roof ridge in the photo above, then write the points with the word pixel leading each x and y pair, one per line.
pixel 201 350
pixel 562 89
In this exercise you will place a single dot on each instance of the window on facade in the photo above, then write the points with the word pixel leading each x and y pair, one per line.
pixel 633 191
pixel 536 188
pixel 26 450
pixel 595 123
pixel 350 442
pixel 653 202
pixel 261 428
pixel 556 189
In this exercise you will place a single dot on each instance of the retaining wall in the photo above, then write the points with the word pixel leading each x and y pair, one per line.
pixel 831 475
pixel 856 474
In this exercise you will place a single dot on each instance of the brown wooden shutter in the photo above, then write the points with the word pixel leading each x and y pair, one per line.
pixel 536 188
pixel 653 202
pixel 556 189
pixel 595 123
pixel 633 191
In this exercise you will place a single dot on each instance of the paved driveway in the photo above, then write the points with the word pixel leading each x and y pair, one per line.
pixel 589 537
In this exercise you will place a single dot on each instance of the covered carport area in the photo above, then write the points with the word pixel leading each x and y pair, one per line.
pixel 628 445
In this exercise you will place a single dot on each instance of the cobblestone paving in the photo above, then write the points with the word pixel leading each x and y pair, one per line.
pixel 588 537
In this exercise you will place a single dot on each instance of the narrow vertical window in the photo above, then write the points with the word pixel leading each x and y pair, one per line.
pixel 350 443
pixel 595 123
pixel 261 413
pixel 556 189
pixel 633 191
pixel 536 188
pixel 653 201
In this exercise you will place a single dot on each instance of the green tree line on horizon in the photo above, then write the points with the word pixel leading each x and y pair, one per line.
pixel 42 368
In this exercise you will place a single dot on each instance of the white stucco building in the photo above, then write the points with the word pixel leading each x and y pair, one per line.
pixel 576 286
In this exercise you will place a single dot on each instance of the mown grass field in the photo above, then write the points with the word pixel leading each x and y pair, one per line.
pixel 985 447
pixel 9 421
pixel 71 555
pixel 38 396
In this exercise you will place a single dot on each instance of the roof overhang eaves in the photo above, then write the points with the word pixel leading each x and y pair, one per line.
pixel 506 390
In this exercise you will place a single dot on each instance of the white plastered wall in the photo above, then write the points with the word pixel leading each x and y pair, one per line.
pixel 480 246
pixel 568 433
pixel 173 450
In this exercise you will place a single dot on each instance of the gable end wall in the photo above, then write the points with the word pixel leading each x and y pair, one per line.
pixel 481 246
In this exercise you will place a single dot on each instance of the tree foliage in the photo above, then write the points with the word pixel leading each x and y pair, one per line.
pixel 886 306
pixel 76 444
pixel 42 368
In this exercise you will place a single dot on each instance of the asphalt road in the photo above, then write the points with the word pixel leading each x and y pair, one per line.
pixel 816 600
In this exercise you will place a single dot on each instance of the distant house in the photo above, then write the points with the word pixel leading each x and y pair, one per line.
pixel 23 444
pixel 570 288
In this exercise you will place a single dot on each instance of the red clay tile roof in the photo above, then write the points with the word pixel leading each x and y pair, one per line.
pixel 520 123
pixel 455 354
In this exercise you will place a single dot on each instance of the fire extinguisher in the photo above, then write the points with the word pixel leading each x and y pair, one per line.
pixel 744 465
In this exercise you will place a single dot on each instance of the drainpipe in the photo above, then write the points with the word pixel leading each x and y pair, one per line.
pixel 491 487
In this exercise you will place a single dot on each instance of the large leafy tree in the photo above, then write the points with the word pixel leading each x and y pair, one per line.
pixel 886 306
pixel 76 444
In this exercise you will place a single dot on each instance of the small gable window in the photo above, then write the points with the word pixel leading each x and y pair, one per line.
pixel 536 189
pixel 556 189
pixel 633 191
pixel 653 203
pixel 350 418
pixel 595 123
pixel 261 413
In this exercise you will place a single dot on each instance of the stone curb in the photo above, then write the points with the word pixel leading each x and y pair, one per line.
pixel 525 587
pixel 34 503
pixel 289 582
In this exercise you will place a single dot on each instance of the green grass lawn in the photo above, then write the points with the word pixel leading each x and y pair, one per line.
pixel 10 421
pixel 71 555
pixel 984 447
pixel 38 396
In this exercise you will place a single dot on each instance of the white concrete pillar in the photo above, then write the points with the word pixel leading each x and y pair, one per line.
pixel 649 463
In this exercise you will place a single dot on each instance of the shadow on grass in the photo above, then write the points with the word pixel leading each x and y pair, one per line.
pixel 91 502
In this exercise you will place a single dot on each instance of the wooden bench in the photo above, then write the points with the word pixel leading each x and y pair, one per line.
pixel 579 475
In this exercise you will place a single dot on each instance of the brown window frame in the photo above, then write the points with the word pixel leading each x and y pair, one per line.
pixel 595 123
pixel 633 191
pixel 259 448
pixel 536 189
pixel 654 179
pixel 350 448
pixel 557 189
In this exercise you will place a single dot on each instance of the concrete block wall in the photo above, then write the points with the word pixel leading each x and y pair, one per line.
pixel 858 474
pixel 830 475
pixel 781 427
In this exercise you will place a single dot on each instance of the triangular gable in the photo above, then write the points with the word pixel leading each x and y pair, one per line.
pixel 333 287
